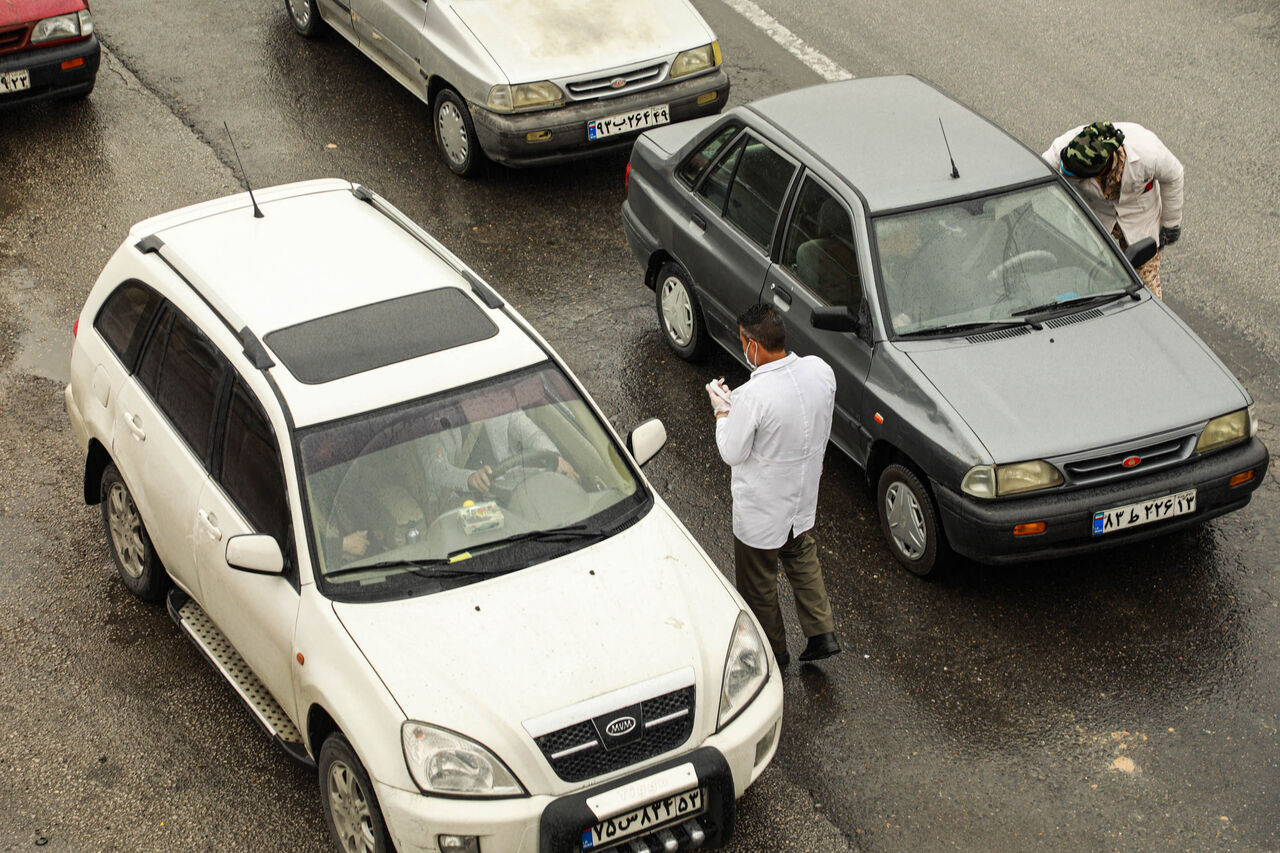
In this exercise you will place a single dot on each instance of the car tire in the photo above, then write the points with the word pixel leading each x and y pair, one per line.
pixel 348 799
pixel 456 134
pixel 305 17
pixel 131 549
pixel 679 314
pixel 909 521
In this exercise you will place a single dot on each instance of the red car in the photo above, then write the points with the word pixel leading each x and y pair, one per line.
pixel 47 50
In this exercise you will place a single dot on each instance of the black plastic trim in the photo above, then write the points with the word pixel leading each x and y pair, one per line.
pixel 149 244
pixel 254 350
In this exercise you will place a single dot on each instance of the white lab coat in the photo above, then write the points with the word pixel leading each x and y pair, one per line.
pixel 775 436
pixel 1150 188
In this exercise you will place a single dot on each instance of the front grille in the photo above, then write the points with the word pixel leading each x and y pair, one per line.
pixel 12 39
pixel 1110 466
pixel 577 752
pixel 598 87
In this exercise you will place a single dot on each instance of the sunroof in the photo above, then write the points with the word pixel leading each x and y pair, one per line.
pixel 383 333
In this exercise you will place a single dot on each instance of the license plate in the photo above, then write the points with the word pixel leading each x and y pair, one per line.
pixel 1158 509
pixel 624 122
pixel 15 81
pixel 647 818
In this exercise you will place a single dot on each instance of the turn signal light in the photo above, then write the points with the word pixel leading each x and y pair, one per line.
pixel 1242 477
pixel 707 97
pixel 537 136
pixel 1029 528
pixel 73 63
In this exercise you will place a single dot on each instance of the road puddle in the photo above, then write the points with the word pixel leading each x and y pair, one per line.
pixel 44 346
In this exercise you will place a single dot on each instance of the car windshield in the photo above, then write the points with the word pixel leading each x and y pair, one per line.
pixel 962 265
pixel 468 484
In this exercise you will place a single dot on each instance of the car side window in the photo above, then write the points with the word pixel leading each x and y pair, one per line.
pixel 191 375
pixel 819 247
pixel 250 469
pixel 124 317
pixel 715 186
pixel 759 185
pixel 153 352
pixel 699 160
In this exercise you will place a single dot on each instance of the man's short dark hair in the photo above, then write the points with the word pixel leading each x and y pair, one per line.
pixel 763 324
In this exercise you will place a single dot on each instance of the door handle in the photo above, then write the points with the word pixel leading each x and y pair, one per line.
pixel 210 524
pixel 131 421
pixel 697 220
pixel 780 292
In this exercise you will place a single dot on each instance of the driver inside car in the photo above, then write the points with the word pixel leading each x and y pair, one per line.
pixel 461 459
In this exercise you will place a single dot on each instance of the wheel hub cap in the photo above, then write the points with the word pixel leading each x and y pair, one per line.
pixel 350 810
pixel 453 133
pixel 301 11
pixel 906 521
pixel 677 311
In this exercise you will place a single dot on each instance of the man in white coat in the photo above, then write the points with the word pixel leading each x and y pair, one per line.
pixel 773 431
pixel 1130 179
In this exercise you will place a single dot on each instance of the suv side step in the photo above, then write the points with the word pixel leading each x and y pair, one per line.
pixel 200 629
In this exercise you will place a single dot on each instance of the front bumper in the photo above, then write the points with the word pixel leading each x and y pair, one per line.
pixel 726 763
pixel 504 139
pixel 48 78
pixel 983 530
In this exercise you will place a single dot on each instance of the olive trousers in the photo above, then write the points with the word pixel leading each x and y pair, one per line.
pixel 756 571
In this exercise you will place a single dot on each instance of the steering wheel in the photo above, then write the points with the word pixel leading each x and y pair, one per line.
pixel 1021 258
pixel 547 460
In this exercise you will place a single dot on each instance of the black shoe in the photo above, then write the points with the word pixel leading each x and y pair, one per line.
pixel 784 657
pixel 820 646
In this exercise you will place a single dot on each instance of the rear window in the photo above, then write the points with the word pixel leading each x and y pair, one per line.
pixel 383 333
pixel 124 317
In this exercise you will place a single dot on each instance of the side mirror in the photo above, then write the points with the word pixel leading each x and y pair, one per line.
pixel 646 440
pixel 833 319
pixel 1142 251
pixel 256 552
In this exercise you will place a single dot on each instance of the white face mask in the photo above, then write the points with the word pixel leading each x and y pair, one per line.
pixel 747 354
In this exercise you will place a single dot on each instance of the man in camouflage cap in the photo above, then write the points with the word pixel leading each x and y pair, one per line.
pixel 1130 179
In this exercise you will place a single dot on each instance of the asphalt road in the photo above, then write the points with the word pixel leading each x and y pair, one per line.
pixel 1127 701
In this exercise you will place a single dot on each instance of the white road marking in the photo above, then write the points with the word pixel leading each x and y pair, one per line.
pixel 825 67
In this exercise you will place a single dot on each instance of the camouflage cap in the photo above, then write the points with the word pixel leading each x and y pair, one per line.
pixel 1087 154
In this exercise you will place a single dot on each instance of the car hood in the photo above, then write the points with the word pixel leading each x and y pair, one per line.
pixel 25 11
pixel 1125 375
pixel 644 603
pixel 550 39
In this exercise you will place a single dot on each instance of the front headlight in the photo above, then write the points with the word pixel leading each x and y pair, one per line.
pixel 525 96
pixel 1227 429
pixel 745 670
pixel 991 481
pixel 695 60
pixel 70 26
pixel 445 762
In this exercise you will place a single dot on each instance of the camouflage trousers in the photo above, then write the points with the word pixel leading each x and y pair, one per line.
pixel 1148 272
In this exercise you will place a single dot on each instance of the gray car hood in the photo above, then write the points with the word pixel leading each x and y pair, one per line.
pixel 1125 375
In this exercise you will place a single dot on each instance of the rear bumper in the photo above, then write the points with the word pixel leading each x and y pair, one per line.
pixel 642 243
pixel 504 137
pixel 983 530
pixel 48 77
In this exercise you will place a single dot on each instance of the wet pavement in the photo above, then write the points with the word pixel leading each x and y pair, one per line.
pixel 1128 700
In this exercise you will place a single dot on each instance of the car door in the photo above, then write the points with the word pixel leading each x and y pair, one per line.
pixel 393 30
pixel 819 266
pixel 725 235
pixel 246 494
pixel 163 436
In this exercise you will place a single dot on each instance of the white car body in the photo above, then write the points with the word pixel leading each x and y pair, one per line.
pixel 501 661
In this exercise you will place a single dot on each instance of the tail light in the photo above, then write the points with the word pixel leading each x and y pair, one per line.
pixel 75 328
pixel 626 180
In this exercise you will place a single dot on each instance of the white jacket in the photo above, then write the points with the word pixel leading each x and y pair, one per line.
pixel 1150 189
pixel 775 436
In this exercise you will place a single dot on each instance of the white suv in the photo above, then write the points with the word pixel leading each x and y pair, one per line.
pixel 388 513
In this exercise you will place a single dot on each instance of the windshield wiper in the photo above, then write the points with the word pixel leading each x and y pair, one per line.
pixel 959 328
pixel 456 560
pixel 1077 301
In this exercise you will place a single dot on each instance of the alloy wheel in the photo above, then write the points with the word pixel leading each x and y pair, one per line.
pixel 349 806
pixel 126 530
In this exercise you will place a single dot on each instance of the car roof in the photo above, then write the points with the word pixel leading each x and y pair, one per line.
pixel 357 307
pixel 882 134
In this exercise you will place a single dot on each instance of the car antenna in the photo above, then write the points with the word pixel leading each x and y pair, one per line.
pixel 955 173
pixel 257 211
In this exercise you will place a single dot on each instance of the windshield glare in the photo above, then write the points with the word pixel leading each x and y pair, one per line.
pixel 397 487
pixel 985 259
